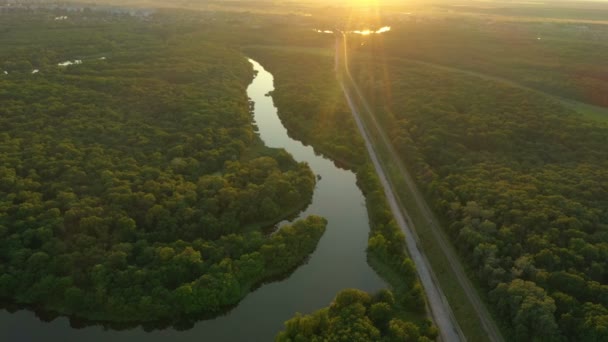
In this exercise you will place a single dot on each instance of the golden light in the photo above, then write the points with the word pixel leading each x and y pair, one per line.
pixel 368 32
pixel 364 3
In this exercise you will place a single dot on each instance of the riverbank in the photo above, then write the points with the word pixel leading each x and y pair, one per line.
pixel 336 198
pixel 385 246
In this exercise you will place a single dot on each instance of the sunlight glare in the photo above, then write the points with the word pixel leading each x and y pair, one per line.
pixel 368 32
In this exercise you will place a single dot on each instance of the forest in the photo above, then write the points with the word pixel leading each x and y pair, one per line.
pixel 133 186
pixel 312 105
pixel 563 59
pixel 518 180
pixel 356 316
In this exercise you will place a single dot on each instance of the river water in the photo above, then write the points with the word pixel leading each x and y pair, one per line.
pixel 339 261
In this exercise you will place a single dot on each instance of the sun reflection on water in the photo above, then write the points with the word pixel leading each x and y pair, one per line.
pixel 366 32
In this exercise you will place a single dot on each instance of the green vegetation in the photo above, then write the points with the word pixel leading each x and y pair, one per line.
pixel 358 317
pixel 132 186
pixel 459 302
pixel 311 103
pixel 520 184
pixel 572 10
pixel 566 60
pixel 513 173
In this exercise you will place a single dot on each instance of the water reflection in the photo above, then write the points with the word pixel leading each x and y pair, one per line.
pixel 67 63
pixel 366 32
pixel 339 261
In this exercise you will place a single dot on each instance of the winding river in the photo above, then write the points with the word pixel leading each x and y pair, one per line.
pixel 338 262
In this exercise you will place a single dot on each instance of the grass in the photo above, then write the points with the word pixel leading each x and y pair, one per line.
pixel 595 113
pixel 588 111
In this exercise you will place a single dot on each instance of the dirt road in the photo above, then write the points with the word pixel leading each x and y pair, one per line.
pixel 440 308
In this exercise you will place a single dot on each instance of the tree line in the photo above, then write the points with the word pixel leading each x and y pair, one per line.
pixel 563 59
pixel 519 182
pixel 133 187
pixel 311 105
pixel 357 316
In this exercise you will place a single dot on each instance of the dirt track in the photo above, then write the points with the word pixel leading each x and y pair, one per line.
pixel 439 307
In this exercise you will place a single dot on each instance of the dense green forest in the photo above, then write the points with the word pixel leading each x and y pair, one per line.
pixel 566 60
pixel 132 184
pixel 520 183
pixel 312 105
pixel 356 316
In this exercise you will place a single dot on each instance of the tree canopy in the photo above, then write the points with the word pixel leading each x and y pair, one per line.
pixel 355 315
pixel 132 185
pixel 519 182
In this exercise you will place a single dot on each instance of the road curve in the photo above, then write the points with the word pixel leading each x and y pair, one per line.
pixel 440 309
